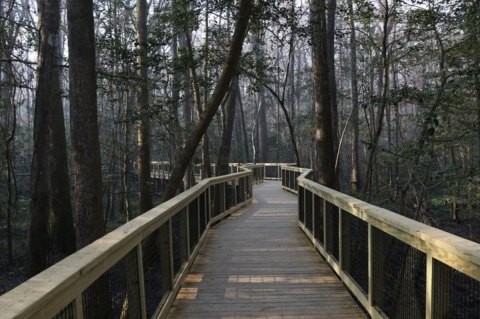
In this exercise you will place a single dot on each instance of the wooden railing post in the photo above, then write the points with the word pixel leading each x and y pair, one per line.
pixel 437 290
pixel 141 282
pixel 78 304
pixel 340 239
pixel 187 229
pixel 375 267
pixel 324 224
pixel 170 254
pixel 314 234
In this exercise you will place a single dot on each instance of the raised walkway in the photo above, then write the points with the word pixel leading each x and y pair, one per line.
pixel 259 264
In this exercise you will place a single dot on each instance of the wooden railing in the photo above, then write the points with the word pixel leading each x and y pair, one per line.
pixel 396 267
pixel 136 270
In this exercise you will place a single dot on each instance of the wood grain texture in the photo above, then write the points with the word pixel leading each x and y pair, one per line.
pixel 258 264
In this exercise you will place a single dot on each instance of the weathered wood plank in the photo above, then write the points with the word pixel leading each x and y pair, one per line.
pixel 258 264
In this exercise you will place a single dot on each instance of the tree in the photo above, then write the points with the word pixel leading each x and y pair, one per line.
pixel 324 172
pixel 229 106
pixel 84 122
pixel 50 184
pixel 216 98
pixel 143 133
pixel 355 175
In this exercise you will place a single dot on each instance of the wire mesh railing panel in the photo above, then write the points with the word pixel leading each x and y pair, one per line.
pixel 284 177
pixel 355 249
pixel 463 296
pixel 179 240
pixel 399 277
pixel 116 294
pixel 229 195
pixel 203 212
pixel 156 267
pixel 271 171
pixel 66 313
pixel 193 224
pixel 301 205
pixel 308 210
pixel 318 218
pixel 240 190
pixel 215 197
pixel 332 223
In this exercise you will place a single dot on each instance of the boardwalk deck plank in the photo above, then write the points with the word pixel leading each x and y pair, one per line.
pixel 258 264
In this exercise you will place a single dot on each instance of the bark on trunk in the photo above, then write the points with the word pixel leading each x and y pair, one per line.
pixel 228 120
pixel 214 102
pixel 143 134
pixel 324 172
pixel 355 175
pixel 84 122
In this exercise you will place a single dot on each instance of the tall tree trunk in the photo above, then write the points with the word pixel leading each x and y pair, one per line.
pixel 84 122
pixel 143 134
pixel 331 11
pixel 216 98
pixel 228 120
pixel 355 174
pixel 48 91
pixel 383 103
pixel 206 167
pixel 261 151
pixel 324 172
pixel 244 126
pixel 129 104
pixel 262 128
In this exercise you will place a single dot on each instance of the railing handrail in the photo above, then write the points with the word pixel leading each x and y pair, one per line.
pixel 438 246
pixel 48 292
pixel 428 239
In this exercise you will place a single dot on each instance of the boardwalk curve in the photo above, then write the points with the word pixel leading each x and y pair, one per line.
pixel 258 264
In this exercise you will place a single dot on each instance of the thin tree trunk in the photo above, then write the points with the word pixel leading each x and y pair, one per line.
pixel 229 118
pixel 244 126
pixel 130 101
pixel 355 175
pixel 367 190
pixel 331 8
pixel 216 98
pixel 143 134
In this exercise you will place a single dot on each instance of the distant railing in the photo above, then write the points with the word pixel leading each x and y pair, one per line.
pixel 396 267
pixel 136 270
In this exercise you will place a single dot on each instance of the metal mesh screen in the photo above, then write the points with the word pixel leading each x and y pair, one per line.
pixel 229 195
pixel 240 190
pixel 464 296
pixel 271 171
pixel 332 221
pixel 156 267
pixel 308 210
pixel 203 212
pixel 66 313
pixel 318 220
pixel 399 281
pixel 179 240
pixel 193 224
pixel 301 211
pixel 295 183
pixel 215 195
pixel 284 177
pixel 116 294
pixel 355 249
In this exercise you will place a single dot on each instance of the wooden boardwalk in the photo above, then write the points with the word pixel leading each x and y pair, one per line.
pixel 259 264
